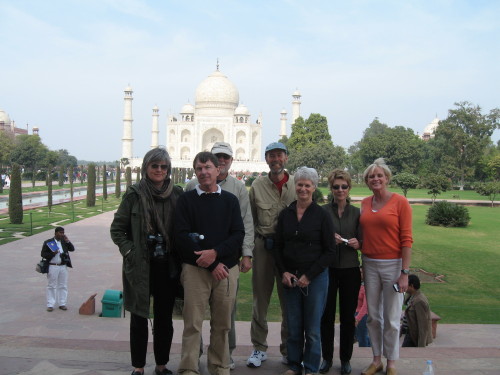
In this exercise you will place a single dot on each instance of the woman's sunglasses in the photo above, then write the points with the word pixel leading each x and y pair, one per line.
pixel 337 187
pixel 162 166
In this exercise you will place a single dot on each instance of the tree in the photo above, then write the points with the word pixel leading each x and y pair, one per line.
pixel 104 183
pixel 29 152
pixel 61 175
pixel 128 176
pixel 91 185
pixel 489 189
pixel 118 185
pixel 399 146
pixel 7 145
pixel 71 180
pixel 355 165
pixel 310 132
pixel 323 156
pixel 49 188
pixel 406 181
pixel 436 184
pixel 124 162
pixel 16 196
pixel 462 138
pixel 311 145
pixel 65 159
pixel 493 167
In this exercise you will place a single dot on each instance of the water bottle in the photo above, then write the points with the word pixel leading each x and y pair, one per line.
pixel 428 370
pixel 196 237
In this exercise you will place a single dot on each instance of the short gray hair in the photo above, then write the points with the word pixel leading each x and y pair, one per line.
pixel 305 173
pixel 379 163
pixel 156 154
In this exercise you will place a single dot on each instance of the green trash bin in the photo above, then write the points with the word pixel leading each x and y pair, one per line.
pixel 112 303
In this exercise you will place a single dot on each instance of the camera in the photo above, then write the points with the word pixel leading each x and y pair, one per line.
pixel 396 287
pixel 157 246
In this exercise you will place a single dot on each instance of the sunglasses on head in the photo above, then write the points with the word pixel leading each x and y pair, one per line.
pixel 162 166
pixel 337 187
pixel 224 156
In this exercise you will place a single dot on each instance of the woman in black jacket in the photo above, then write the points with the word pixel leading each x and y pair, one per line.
pixel 143 230
pixel 345 276
pixel 304 250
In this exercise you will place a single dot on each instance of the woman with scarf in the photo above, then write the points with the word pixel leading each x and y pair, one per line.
pixel 142 229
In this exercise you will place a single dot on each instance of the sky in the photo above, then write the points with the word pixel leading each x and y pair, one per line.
pixel 65 63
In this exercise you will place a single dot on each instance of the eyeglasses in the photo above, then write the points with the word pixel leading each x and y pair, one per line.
pixel 162 166
pixel 224 156
pixel 337 187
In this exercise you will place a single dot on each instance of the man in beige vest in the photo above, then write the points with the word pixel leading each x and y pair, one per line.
pixel 268 196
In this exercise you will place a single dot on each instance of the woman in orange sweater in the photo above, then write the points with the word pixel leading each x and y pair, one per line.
pixel 386 224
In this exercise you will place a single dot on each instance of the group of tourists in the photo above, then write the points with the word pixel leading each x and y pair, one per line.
pixel 205 236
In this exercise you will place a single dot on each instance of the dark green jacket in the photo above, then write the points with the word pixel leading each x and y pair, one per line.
pixel 348 227
pixel 127 232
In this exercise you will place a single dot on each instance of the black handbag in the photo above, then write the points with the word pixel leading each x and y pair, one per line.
pixel 42 266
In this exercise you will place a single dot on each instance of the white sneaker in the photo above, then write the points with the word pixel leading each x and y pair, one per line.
pixel 284 360
pixel 256 359
pixel 232 365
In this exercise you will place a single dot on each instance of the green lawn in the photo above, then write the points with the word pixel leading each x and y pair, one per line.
pixel 469 259
pixel 363 191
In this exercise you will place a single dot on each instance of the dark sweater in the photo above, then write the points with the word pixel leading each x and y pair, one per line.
pixel 348 227
pixel 218 218
pixel 305 247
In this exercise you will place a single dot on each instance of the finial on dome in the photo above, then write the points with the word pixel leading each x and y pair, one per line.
pixel 217 64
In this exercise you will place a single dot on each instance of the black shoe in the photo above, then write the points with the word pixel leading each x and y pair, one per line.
pixel 345 368
pixel 165 371
pixel 325 366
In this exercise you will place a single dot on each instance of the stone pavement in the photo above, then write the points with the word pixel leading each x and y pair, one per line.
pixel 34 341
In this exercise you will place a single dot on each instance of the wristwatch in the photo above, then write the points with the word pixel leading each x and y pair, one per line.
pixel 406 271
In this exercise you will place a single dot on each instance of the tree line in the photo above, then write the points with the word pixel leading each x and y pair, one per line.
pixel 461 154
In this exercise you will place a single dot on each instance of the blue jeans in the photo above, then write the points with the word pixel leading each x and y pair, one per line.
pixel 304 308
pixel 362 333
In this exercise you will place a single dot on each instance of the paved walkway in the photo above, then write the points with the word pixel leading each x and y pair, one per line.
pixel 34 341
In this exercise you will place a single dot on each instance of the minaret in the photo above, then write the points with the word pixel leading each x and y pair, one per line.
pixel 155 132
pixel 127 125
pixel 296 106
pixel 283 123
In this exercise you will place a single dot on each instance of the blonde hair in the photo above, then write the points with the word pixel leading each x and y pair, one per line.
pixel 379 163
pixel 339 174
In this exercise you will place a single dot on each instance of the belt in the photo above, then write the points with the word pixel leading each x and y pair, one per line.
pixel 57 264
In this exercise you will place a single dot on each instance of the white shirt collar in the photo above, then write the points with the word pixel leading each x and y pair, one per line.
pixel 200 192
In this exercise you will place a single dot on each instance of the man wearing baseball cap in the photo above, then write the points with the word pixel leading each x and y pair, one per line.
pixel 224 154
pixel 268 196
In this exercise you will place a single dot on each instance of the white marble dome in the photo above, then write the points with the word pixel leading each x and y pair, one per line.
pixel 4 117
pixel 431 127
pixel 242 110
pixel 217 92
pixel 187 109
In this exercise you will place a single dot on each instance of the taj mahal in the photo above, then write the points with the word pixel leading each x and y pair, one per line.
pixel 216 116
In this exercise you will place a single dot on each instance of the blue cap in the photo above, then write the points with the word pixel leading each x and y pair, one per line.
pixel 276 146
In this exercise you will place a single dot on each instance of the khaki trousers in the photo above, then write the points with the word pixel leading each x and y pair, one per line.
pixel 384 305
pixel 264 274
pixel 202 290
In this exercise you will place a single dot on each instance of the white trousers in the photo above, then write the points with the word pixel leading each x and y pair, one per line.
pixel 384 305
pixel 57 288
